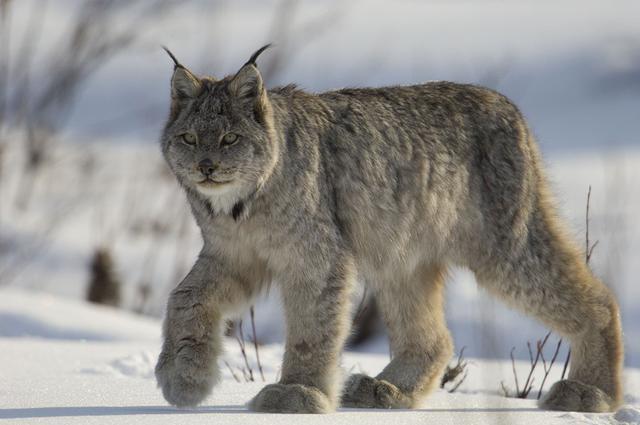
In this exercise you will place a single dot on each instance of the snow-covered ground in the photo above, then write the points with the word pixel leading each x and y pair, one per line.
pixel 67 362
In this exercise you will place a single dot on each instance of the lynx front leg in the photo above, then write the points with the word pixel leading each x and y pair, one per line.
pixel 317 325
pixel 187 369
pixel 420 344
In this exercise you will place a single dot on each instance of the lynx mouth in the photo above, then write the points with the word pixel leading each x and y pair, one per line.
pixel 213 183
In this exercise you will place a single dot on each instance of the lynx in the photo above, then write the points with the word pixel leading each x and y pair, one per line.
pixel 390 186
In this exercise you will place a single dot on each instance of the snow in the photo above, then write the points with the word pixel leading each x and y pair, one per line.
pixel 628 415
pixel 94 365
pixel 53 318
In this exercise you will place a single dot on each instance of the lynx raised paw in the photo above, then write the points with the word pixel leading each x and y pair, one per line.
pixel 290 398
pixel 365 391
pixel 185 382
pixel 571 395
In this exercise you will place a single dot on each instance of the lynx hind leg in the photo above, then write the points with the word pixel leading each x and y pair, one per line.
pixel 420 343
pixel 546 277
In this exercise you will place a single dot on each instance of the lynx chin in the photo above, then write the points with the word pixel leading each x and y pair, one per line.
pixel 391 186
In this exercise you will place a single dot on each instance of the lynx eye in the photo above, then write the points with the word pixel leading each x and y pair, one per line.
pixel 229 139
pixel 189 139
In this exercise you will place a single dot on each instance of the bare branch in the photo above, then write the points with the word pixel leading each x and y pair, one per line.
pixel 452 372
pixel 232 372
pixel 547 370
pixel 505 390
pixel 566 364
pixel 515 374
pixel 255 341
pixel 588 247
pixel 529 382
pixel 457 385
pixel 240 340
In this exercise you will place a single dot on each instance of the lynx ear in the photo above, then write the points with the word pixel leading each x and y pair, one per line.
pixel 247 87
pixel 247 83
pixel 184 84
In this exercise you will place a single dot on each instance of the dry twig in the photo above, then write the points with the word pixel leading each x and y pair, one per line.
pixel 255 341
pixel 588 252
pixel 452 372
pixel 240 339
pixel 534 360
pixel 588 248
pixel 232 372
pixel 548 369
pixel 529 382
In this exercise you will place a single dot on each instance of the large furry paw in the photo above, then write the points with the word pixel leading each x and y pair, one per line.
pixel 572 395
pixel 186 379
pixel 364 391
pixel 290 398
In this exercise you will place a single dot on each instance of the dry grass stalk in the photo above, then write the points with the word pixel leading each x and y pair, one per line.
pixel 255 341
pixel 240 339
pixel 232 372
pixel 566 364
pixel 544 365
pixel 588 247
pixel 452 373
pixel 528 384
pixel 588 252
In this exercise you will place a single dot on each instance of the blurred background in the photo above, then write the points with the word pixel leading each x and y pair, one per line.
pixel 89 210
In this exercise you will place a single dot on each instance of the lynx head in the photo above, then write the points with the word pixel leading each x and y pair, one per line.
pixel 219 139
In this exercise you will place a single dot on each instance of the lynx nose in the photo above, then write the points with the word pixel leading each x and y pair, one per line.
pixel 206 167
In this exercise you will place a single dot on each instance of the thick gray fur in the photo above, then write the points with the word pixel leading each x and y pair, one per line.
pixel 388 185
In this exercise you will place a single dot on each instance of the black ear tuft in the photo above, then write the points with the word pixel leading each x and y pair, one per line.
pixel 173 58
pixel 184 83
pixel 254 56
